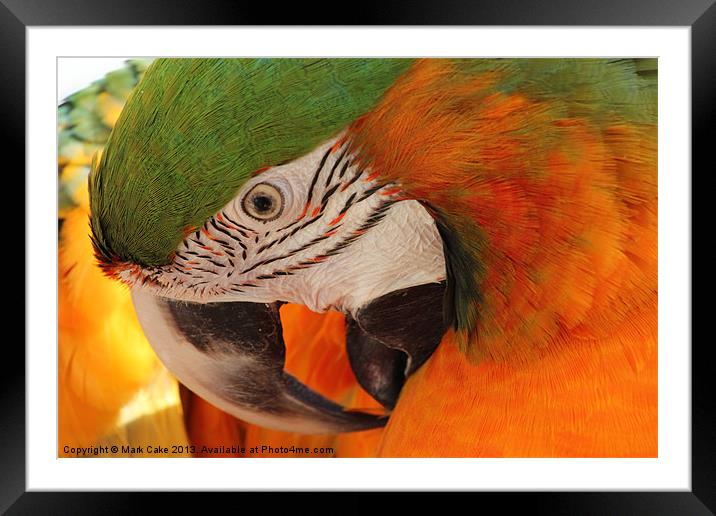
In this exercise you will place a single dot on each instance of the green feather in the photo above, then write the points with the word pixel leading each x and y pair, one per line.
pixel 194 130
pixel 585 87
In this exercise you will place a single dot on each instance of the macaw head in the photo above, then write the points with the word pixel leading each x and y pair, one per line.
pixel 230 186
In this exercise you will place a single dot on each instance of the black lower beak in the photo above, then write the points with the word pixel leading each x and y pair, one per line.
pixel 232 354
pixel 391 337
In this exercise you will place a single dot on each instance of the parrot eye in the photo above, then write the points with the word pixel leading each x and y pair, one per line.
pixel 263 202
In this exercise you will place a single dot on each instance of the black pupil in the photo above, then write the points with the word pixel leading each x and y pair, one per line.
pixel 262 203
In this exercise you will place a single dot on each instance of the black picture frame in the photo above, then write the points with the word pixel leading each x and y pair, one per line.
pixel 700 15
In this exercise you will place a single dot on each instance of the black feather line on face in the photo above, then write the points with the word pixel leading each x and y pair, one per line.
pixel 335 165
pixel 370 192
pixel 373 219
pixel 327 196
pixel 239 228
pixel 343 170
pixel 348 204
pixel 209 271
pixel 353 179
pixel 316 174
pixel 213 222
pixel 217 264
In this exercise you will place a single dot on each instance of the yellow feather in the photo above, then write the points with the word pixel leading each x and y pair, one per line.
pixel 105 361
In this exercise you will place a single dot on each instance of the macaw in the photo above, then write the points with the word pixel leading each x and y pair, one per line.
pixel 393 257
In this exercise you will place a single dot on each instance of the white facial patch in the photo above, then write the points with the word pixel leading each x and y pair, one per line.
pixel 340 239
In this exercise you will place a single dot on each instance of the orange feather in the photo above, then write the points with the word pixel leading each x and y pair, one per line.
pixel 562 361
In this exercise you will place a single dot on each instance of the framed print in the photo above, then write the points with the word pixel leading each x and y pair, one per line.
pixel 450 258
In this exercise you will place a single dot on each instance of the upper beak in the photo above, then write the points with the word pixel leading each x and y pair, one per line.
pixel 232 354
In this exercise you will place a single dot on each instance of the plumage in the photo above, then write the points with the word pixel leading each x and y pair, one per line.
pixel 543 176
pixel 209 124
pixel 104 360
pixel 540 176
